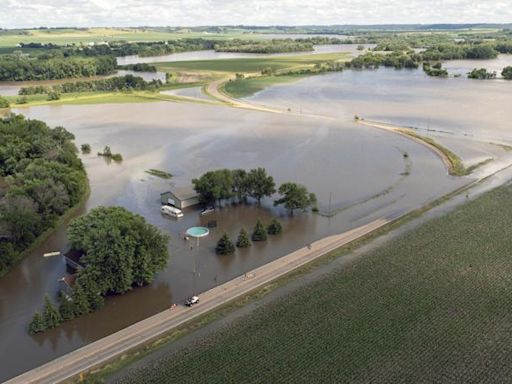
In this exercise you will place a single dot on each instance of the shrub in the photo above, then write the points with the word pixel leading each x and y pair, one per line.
pixel 259 233
pixel 224 246
pixel 86 148
pixel 4 103
pixel 274 227
pixel 243 239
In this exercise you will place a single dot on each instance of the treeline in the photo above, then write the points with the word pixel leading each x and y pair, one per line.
pixel 120 250
pixel 139 67
pixel 22 68
pixel 40 178
pixel 398 60
pixel 271 46
pixel 223 185
pixel 123 48
pixel 112 84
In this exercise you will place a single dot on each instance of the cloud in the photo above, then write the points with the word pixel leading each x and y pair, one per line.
pixel 84 13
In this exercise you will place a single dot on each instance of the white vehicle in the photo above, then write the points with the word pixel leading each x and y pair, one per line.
pixel 171 211
pixel 207 210
pixel 190 301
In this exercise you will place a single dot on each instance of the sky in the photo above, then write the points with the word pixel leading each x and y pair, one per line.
pixel 122 13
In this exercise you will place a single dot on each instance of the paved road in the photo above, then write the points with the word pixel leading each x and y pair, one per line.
pixel 102 350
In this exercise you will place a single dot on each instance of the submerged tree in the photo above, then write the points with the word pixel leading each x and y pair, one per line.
pixel 66 306
pixel 295 196
pixel 274 227
pixel 260 184
pixel 37 324
pixel 224 245
pixel 243 239
pixel 51 315
pixel 259 233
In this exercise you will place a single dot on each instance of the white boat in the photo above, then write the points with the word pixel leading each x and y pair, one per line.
pixel 171 211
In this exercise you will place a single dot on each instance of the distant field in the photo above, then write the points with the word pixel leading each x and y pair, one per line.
pixel 433 306
pixel 247 87
pixel 105 34
pixel 257 64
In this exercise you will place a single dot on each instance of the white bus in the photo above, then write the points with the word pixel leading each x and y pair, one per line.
pixel 171 211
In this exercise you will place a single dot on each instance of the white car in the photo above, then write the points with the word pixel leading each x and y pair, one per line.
pixel 171 211
pixel 191 301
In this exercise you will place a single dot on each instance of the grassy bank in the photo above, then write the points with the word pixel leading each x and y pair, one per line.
pixel 246 87
pixel 430 306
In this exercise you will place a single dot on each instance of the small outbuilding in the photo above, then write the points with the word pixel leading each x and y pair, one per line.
pixel 182 197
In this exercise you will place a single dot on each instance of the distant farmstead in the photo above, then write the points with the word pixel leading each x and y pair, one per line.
pixel 180 197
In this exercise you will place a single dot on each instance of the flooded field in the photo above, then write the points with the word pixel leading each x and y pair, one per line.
pixel 358 174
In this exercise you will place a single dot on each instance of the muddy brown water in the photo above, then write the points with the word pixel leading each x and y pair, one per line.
pixel 357 171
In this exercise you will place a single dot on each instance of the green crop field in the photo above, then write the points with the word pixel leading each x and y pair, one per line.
pixel 246 87
pixel 432 306
pixel 257 64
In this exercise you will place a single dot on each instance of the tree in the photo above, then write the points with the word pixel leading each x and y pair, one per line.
pixel 295 196
pixel 86 148
pixel 260 184
pixel 52 96
pixel 51 315
pixel 66 306
pixel 259 233
pixel 481 74
pixel 80 301
pixel 121 249
pixel 4 103
pixel 507 73
pixel 37 324
pixel 224 245
pixel 214 186
pixel 274 228
pixel 240 184
pixel 243 240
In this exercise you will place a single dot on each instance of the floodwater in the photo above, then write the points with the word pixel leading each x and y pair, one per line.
pixel 462 67
pixel 213 55
pixel 360 173
pixel 467 114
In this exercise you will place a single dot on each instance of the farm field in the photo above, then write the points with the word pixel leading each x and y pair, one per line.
pixel 248 65
pixel 430 306
pixel 77 36
pixel 245 87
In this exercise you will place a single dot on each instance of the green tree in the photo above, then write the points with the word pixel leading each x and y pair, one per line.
pixel 37 324
pixel 81 304
pixel 243 240
pixel 224 245
pixel 51 315
pixel 240 184
pixel 295 196
pixel 52 96
pixel 507 73
pixel 259 233
pixel 86 148
pixel 4 103
pixel 274 228
pixel 66 306
pixel 121 249
pixel 260 184
pixel 214 186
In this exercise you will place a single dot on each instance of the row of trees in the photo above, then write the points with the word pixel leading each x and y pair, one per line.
pixel 265 46
pixel 139 67
pixel 40 178
pixel 483 74
pixel 121 251
pixel 112 84
pixel 22 68
pixel 214 187
pixel 225 245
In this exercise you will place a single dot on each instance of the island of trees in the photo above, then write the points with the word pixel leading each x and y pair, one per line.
pixel 41 177
pixel 119 251
pixel 226 185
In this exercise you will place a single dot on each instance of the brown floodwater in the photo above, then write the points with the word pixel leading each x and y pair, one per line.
pixel 358 172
